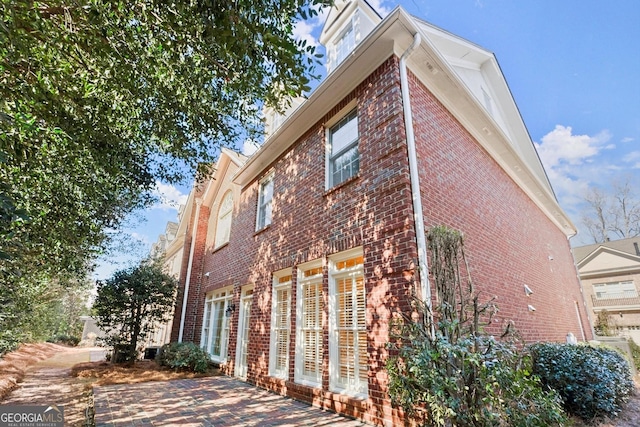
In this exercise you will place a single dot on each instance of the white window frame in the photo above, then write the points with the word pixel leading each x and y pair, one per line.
pixel 223 225
pixel 280 324
pixel 353 386
pixel 332 157
pixel 216 302
pixel 615 290
pixel 264 205
pixel 344 44
pixel 310 276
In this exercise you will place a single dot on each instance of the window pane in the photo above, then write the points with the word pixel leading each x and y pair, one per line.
pixel 311 334
pixel 344 133
pixel 279 356
pixel 223 227
pixel 344 159
pixel 349 336
pixel 264 203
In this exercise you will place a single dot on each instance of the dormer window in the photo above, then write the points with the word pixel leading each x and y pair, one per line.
pixel 344 45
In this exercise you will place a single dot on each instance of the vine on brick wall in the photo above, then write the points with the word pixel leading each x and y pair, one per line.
pixel 446 371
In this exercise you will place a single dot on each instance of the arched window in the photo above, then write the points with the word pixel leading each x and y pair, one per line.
pixel 223 228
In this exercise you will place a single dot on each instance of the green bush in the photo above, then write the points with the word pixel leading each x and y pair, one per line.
pixel 65 339
pixel 592 381
pixel 446 370
pixel 183 356
pixel 635 353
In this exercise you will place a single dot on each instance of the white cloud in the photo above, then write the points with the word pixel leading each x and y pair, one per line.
pixel 627 139
pixel 169 196
pixel 561 147
pixel 633 157
pixel 303 30
pixel 379 7
pixel 573 163
pixel 249 147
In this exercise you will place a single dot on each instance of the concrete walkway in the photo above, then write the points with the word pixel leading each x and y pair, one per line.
pixel 212 401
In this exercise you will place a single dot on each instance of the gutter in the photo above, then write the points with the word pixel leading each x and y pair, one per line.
pixel 418 217
pixel 194 236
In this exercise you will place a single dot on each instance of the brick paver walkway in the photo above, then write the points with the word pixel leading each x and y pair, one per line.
pixel 212 401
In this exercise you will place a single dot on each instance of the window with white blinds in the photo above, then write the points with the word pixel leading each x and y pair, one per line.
pixel 223 227
pixel 348 357
pixel 265 199
pixel 280 329
pixel 215 325
pixel 308 368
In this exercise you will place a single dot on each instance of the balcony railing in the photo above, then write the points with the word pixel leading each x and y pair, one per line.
pixel 616 301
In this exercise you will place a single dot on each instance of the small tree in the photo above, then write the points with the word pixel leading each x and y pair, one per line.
pixel 129 305
pixel 447 371
pixel 604 324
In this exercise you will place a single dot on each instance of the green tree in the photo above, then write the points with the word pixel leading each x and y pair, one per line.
pixel 101 99
pixel 131 303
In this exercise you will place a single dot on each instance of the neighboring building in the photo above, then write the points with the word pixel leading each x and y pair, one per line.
pixel 169 246
pixel 297 258
pixel 610 275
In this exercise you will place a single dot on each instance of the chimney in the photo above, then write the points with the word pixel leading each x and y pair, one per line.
pixel 635 245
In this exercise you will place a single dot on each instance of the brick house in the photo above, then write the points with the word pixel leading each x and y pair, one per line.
pixel 610 275
pixel 296 257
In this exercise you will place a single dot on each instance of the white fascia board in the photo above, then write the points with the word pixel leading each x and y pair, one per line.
pixel 433 70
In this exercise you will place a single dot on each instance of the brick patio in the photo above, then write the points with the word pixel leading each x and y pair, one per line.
pixel 213 401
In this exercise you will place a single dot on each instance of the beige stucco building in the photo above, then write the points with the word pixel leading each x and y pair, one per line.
pixel 610 274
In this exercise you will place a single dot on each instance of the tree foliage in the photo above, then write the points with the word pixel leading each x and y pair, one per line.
pixel 130 304
pixel 101 99
pixel 41 309
pixel 612 215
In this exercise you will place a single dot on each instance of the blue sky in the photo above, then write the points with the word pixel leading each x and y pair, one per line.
pixel 573 68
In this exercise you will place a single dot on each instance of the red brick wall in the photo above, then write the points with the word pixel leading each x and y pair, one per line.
pixel 373 210
pixel 509 241
pixel 508 238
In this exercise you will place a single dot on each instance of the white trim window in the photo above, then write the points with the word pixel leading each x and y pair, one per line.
pixel 215 326
pixel 343 156
pixel 265 199
pixel 348 355
pixel 343 45
pixel 615 290
pixel 309 309
pixel 280 325
pixel 223 226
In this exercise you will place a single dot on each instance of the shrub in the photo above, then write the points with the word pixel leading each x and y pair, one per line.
pixel 635 353
pixel 446 370
pixel 65 339
pixel 183 356
pixel 592 381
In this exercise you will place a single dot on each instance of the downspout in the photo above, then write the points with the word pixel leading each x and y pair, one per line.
pixel 586 310
pixel 418 218
pixel 194 236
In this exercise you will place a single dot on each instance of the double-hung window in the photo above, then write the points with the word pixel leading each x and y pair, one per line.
pixel 344 158
pixel 223 227
pixel 215 325
pixel 615 290
pixel 309 309
pixel 280 325
pixel 265 198
pixel 344 45
pixel 348 356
